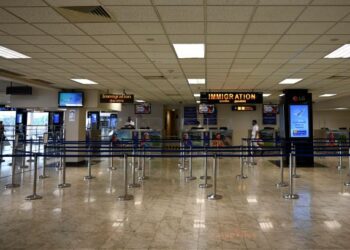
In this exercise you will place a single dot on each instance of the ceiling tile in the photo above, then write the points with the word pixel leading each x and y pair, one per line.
pixel 10 40
pixel 298 39
pixel 21 3
pixel 40 39
pixel 255 47
pixel 76 39
pixel 122 48
pixel 186 38
pixel 324 13
pixel 181 13
pixel 229 13
pixel 132 13
pixel 277 13
pixel 142 28
pixel 268 28
pixel 221 47
pixel 226 28
pixel 100 28
pixel 113 39
pixel 125 2
pixel 38 14
pixel 340 28
pixel 254 39
pixel 20 29
pixel 56 48
pixel 59 29
pixel 89 48
pixel 6 17
pixel 178 2
pixel 150 39
pixel 184 28
pixel 284 2
pixel 232 2
pixel 224 39
pixel 309 28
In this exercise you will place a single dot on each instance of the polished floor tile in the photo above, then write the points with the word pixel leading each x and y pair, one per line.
pixel 169 213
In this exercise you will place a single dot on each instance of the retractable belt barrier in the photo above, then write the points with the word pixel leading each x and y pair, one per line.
pixel 78 149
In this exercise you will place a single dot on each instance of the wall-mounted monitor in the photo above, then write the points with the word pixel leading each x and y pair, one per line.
pixel 299 121
pixel 56 118
pixel 71 99
pixel 143 108
pixel 206 108
pixel 19 118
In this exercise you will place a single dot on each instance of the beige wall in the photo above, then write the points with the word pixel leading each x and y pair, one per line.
pixel 331 119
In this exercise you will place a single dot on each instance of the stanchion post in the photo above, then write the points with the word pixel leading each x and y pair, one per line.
pixel 290 195
pixel 34 196
pixel 294 163
pixel 214 195
pixel 241 165
pixel 1 149
pixel 31 150
pixel 143 176
pixel 126 196
pixel 182 158
pixel 63 184
pixel 46 138
pixel 13 184
pixel 111 167
pixel 340 162
pixel 205 177
pixel 348 182
pixel 205 167
pixel 89 176
pixel 281 183
pixel 190 177
pixel 133 184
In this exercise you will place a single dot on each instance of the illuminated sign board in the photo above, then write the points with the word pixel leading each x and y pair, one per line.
pixel 231 97
pixel 115 98
pixel 299 121
pixel 243 107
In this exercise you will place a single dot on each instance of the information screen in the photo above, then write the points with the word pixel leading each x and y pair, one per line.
pixel 299 121
pixel 56 119
pixel 70 99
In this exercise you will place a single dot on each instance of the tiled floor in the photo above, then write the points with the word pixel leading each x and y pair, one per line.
pixel 168 213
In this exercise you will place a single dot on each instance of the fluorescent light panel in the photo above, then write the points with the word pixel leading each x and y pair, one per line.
pixel 196 95
pixel 189 50
pixel 342 52
pixel 139 101
pixel 196 81
pixel 291 81
pixel 328 95
pixel 266 95
pixel 84 81
pixel 282 94
pixel 198 102
pixel 11 54
pixel 341 108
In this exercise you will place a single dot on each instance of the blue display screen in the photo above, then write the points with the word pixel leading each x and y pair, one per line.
pixel 299 121
pixel 93 118
pixel 19 118
pixel 71 99
pixel 56 119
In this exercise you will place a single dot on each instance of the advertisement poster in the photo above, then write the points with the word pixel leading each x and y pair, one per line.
pixel 299 121
pixel 71 115
pixel 270 114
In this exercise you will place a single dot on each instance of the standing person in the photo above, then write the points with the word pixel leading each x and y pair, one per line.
pixel 130 123
pixel 255 130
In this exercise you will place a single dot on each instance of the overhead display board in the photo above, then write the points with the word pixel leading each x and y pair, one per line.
pixel 116 98
pixel 231 97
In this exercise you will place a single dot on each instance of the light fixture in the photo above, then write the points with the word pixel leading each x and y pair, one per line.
pixel 139 101
pixel 291 81
pixel 328 95
pixel 342 52
pixel 189 50
pixel 266 95
pixel 84 81
pixel 252 199
pixel 198 101
pixel 196 95
pixel 266 226
pixel 196 81
pixel 282 94
pixel 332 224
pixel 11 54
pixel 341 108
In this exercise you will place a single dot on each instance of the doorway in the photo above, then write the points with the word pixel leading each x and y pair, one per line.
pixel 170 123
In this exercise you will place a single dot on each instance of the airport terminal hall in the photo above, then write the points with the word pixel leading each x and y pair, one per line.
pixel 174 124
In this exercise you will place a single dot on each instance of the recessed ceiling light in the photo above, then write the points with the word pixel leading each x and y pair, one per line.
pixel 291 81
pixel 139 101
pixel 196 81
pixel 341 108
pixel 11 54
pixel 198 102
pixel 196 95
pixel 266 94
pixel 342 52
pixel 282 94
pixel 191 50
pixel 327 95
pixel 84 81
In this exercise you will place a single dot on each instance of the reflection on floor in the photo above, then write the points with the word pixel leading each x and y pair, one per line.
pixel 168 213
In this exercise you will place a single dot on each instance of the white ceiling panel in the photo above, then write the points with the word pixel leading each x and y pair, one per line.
pixel 21 3
pixel 309 27
pixel 10 40
pixel 6 17
pixel 226 28
pixel 59 29
pixel 184 28
pixel 340 28
pixel 229 13
pixel 150 39
pixel 297 39
pixel 324 13
pixel 125 2
pixel 20 29
pixel 268 28
pixel 142 28
pixel 76 39
pixel 277 13
pixel 100 28
pixel 40 39
pixel 224 39
pixel 132 13
pixel 181 13
pixel 89 48
pixel 113 39
pixel 38 14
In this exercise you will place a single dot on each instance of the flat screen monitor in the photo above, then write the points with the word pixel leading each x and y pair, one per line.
pixel 143 108
pixel 299 121
pixel 19 118
pixel 270 108
pixel 206 108
pixel 71 99
pixel 93 118
pixel 56 119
